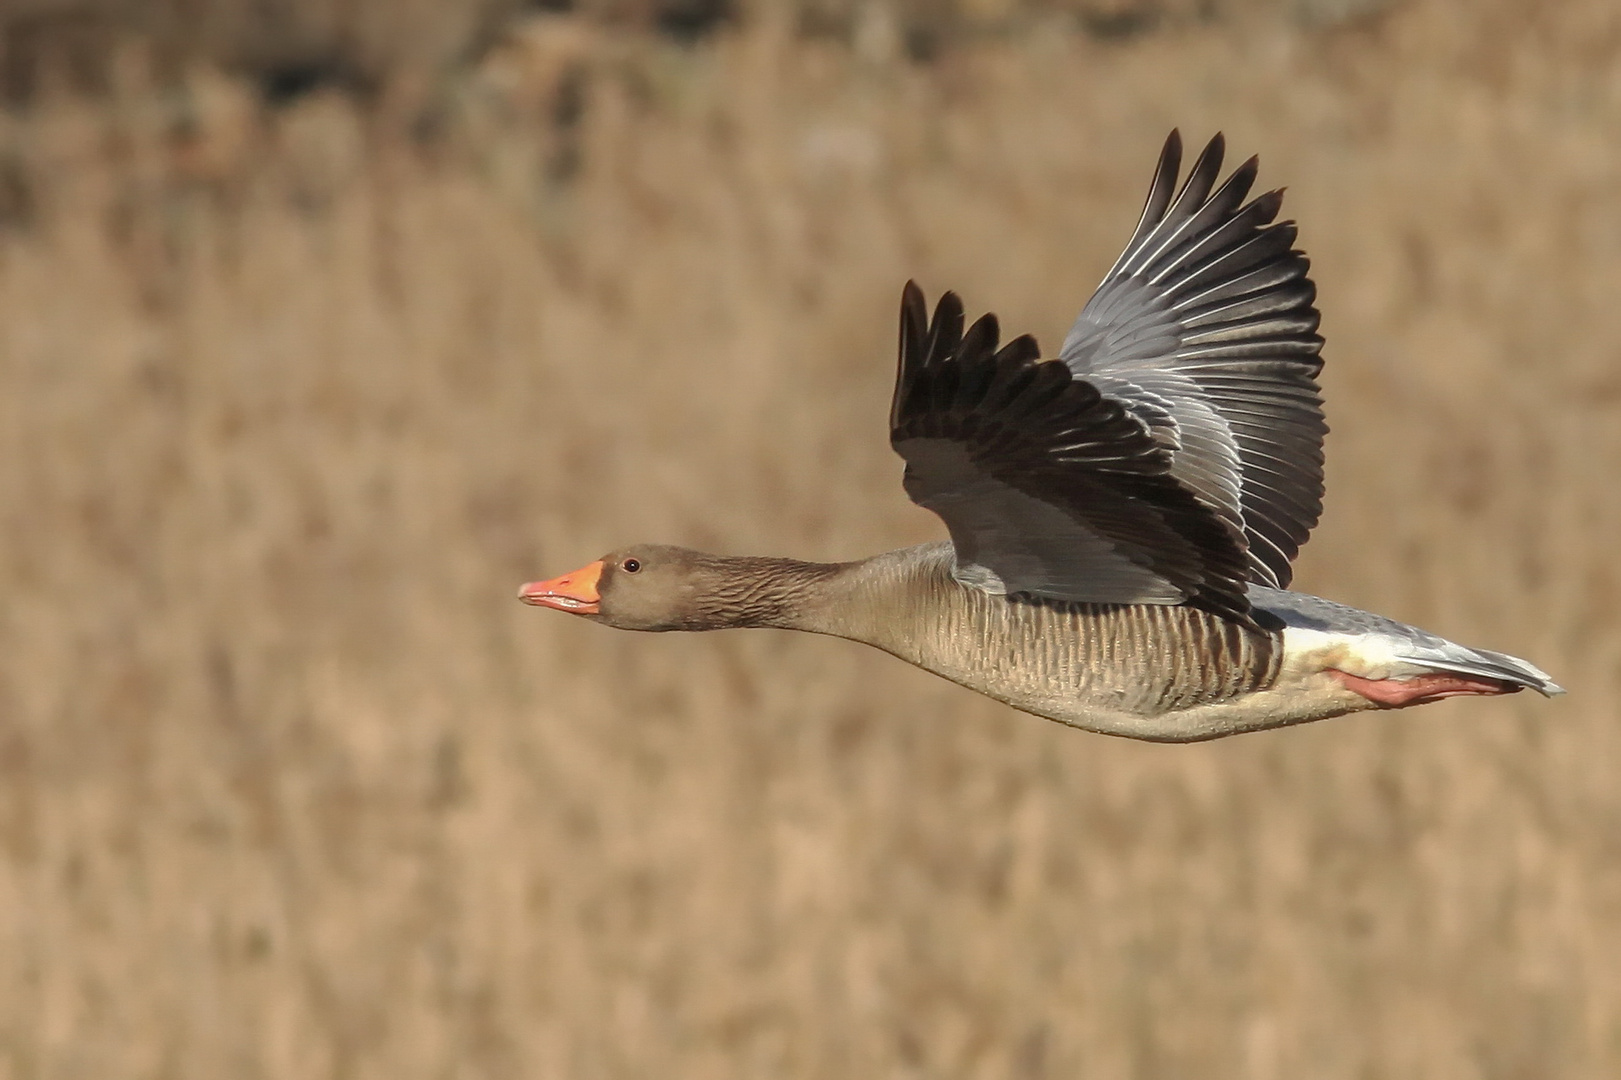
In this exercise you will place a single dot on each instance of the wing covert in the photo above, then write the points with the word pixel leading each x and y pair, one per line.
pixel 1048 486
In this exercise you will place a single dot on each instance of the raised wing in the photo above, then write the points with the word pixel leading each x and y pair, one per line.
pixel 1205 329
pixel 1048 487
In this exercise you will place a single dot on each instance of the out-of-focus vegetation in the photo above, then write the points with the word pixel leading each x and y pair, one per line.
pixel 290 45
pixel 300 377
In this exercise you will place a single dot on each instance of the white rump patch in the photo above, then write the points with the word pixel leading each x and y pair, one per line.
pixel 1368 656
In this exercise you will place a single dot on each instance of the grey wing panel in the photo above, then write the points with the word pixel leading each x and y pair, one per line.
pixel 1210 311
pixel 1308 612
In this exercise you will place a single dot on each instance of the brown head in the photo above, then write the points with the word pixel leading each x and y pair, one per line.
pixel 657 587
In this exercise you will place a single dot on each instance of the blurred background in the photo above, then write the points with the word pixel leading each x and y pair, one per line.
pixel 326 323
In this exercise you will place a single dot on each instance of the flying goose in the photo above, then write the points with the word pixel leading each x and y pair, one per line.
pixel 1122 518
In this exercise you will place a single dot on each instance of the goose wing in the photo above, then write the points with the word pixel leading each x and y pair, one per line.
pixel 1205 329
pixel 1048 486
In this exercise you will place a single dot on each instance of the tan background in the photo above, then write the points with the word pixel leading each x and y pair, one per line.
pixel 292 398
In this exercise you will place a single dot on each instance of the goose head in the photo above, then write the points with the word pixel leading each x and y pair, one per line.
pixel 659 587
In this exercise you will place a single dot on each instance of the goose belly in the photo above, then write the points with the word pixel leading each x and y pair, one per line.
pixel 1113 668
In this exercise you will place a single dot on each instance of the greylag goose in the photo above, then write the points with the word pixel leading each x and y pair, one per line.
pixel 1122 518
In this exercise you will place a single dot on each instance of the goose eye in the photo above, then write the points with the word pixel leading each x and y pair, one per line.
pixel 630 566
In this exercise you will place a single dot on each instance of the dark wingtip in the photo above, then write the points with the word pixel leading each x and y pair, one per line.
pixel 945 331
pixel 1160 193
pixel 1249 170
pixel 980 341
pixel 1269 203
pixel 1201 179
pixel 1166 170
pixel 1171 152
pixel 914 308
pixel 1023 349
pixel 1208 163
pixel 912 295
pixel 914 321
pixel 911 352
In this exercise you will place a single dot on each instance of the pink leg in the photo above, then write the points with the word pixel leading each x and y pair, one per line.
pixel 1395 693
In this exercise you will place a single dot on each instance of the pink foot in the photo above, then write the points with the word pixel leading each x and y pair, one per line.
pixel 1395 693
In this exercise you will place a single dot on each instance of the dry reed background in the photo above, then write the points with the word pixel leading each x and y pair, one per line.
pixel 291 400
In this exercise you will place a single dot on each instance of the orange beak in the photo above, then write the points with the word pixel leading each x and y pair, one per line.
pixel 576 592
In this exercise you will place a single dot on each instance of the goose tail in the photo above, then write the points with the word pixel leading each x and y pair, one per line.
pixel 1483 664
pixel 1384 660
